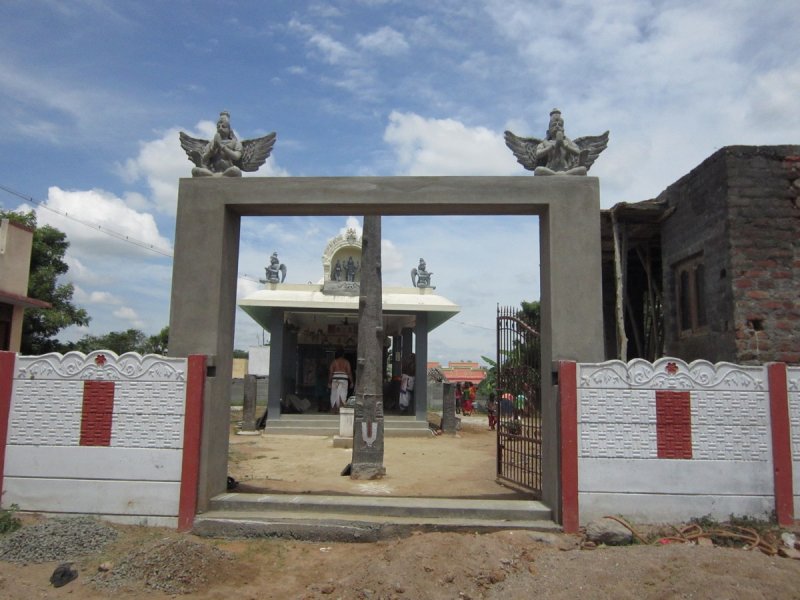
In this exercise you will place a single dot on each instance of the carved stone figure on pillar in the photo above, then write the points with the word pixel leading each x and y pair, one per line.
pixel 225 155
pixel 350 269
pixel 556 154
pixel 421 277
pixel 276 271
pixel 337 271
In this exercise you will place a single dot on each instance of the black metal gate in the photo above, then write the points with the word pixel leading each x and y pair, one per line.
pixel 519 426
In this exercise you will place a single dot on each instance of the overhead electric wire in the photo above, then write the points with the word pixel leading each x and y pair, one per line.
pixel 139 243
pixel 110 232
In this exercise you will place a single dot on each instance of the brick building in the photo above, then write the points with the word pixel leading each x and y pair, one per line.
pixel 711 267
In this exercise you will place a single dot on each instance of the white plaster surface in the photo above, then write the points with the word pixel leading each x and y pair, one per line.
pixel 86 496
pixel 793 377
pixel 92 462
pixel 346 419
pixel 671 508
pixel 673 476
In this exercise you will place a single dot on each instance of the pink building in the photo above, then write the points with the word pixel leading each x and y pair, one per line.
pixel 461 371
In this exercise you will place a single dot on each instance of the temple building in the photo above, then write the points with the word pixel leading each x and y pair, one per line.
pixel 308 322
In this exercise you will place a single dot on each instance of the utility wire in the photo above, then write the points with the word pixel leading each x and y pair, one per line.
pixel 126 238
pixel 473 325
pixel 110 232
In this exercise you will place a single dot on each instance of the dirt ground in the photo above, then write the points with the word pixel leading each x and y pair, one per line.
pixel 444 466
pixel 433 566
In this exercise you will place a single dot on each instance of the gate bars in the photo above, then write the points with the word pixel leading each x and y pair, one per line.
pixel 519 426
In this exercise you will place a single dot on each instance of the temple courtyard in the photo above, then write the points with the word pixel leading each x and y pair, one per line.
pixel 436 466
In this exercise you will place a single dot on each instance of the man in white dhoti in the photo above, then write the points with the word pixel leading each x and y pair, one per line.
pixel 340 380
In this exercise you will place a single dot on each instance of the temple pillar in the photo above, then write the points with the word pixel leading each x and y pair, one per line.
pixel 275 365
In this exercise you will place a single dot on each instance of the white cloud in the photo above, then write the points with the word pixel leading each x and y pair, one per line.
pixel 100 224
pixel 385 40
pixel 392 259
pixel 332 51
pixel 161 162
pixel 352 223
pixel 125 313
pixel 425 146
pixel 773 99
pixel 98 297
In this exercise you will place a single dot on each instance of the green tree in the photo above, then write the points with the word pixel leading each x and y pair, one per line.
pixel 118 342
pixel 40 325
pixel 520 363
pixel 532 313
pixel 489 383
pixel 158 343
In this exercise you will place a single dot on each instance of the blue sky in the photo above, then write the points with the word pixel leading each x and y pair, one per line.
pixel 94 92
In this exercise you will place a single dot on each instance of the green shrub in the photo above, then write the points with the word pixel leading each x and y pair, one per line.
pixel 8 521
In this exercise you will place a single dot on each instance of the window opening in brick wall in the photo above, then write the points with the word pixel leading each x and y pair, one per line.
pixel 690 292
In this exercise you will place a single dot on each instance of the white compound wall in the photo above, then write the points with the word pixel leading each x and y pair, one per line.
pixel 669 441
pixel 793 385
pixel 100 434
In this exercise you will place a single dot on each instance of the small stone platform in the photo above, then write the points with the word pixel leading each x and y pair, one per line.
pixel 327 424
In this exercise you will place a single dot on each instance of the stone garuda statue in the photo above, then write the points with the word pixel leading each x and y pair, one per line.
pixel 420 276
pixel 225 155
pixel 276 270
pixel 557 154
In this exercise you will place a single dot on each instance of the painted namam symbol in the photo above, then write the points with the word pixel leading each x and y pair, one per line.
pixel 369 433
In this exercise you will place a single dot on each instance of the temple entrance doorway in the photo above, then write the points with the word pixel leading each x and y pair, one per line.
pixel 205 265
pixel 477 261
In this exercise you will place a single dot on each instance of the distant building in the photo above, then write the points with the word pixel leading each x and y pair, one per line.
pixel 710 269
pixel 461 371
pixel 16 242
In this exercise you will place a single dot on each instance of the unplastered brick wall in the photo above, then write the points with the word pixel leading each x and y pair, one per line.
pixel 696 228
pixel 102 434
pixel 668 441
pixel 764 222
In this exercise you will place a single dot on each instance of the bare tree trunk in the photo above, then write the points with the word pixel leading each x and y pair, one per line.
pixel 367 460
pixel 619 272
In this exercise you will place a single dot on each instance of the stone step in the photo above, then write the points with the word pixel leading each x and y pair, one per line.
pixel 363 518
pixel 310 424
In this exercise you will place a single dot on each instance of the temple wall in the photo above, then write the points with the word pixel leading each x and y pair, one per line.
pixel 99 434
pixel 670 441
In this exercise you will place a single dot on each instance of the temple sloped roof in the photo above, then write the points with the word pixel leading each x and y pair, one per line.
pixel 400 305
pixel 312 307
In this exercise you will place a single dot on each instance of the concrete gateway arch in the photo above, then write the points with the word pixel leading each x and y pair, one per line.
pixel 203 304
